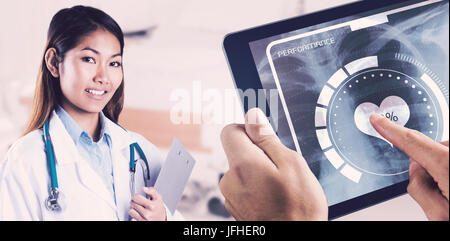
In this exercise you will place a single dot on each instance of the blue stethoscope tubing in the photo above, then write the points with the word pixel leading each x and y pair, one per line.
pixel 52 200
pixel 133 163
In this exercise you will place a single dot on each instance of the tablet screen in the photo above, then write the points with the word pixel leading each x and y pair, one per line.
pixel 331 77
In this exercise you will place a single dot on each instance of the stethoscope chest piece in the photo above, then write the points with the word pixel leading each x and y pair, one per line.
pixel 51 203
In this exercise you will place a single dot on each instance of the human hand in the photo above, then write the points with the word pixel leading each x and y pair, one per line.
pixel 143 209
pixel 428 171
pixel 266 180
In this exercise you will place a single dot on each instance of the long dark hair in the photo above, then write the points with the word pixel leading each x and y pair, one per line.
pixel 67 28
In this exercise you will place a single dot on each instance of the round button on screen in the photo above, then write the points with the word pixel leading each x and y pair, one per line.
pixel 394 95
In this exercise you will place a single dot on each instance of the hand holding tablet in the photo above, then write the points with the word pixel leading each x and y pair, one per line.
pixel 266 180
pixel 272 182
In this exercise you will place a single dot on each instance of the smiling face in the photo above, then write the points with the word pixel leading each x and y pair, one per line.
pixel 91 73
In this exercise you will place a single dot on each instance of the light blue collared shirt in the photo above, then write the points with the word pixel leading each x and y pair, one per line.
pixel 98 154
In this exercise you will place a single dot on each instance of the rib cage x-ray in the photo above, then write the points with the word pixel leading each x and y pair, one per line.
pixel 332 77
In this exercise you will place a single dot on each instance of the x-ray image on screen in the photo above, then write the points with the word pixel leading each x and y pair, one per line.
pixel 332 77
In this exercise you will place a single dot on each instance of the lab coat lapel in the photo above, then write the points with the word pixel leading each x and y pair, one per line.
pixel 120 154
pixel 63 146
pixel 67 153
pixel 92 181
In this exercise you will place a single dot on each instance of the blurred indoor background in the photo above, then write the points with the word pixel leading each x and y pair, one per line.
pixel 169 45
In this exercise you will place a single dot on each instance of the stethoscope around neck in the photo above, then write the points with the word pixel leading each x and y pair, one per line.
pixel 51 203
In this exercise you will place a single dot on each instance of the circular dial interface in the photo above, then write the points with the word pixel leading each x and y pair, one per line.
pixel 394 95
pixel 362 88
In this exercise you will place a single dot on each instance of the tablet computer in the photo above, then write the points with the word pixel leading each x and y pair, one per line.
pixel 319 76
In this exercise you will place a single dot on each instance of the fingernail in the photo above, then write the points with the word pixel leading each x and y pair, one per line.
pixel 261 118
pixel 266 128
pixel 252 117
pixel 376 117
pixel 145 189
pixel 375 121
pixel 257 125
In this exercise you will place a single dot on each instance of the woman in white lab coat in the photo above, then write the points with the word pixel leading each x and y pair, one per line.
pixel 80 91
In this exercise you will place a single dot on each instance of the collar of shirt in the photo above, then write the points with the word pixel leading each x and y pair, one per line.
pixel 76 132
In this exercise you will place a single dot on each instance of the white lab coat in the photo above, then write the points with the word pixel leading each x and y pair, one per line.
pixel 25 180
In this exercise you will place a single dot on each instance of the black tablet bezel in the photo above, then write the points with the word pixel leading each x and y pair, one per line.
pixel 243 69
